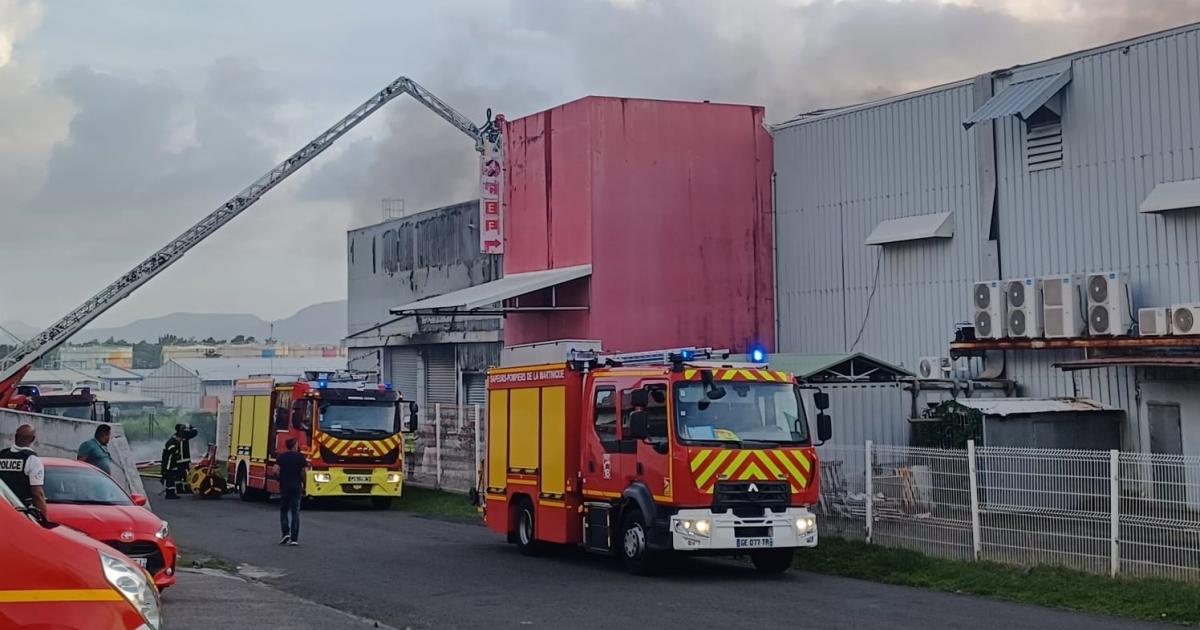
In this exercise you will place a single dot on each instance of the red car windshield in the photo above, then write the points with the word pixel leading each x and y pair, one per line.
pixel 82 486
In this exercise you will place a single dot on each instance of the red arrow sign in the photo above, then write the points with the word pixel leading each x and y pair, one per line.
pixel 491 244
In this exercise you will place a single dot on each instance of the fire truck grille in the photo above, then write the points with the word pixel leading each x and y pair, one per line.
pixel 141 549
pixel 330 457
pixel 749 499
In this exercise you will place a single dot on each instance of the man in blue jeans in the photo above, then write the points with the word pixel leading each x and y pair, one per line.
pixel 289 468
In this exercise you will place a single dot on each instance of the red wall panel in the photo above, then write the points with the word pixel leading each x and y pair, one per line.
pixel 669 201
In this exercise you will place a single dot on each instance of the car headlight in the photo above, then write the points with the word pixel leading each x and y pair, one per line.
pixel 696 527
pixel 322 477
pixel 806 524
pixel 131 582
pixel 394 477
pixel 163 532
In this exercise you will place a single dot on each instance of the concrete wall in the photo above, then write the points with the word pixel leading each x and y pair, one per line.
pixel 61 437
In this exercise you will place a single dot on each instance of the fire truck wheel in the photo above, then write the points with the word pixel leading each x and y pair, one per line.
pixel 526 543
pixel 243 488
pixel 639 560
pixel 773 561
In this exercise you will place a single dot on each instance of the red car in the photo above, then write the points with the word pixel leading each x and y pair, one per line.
pixel 82 497
pixel 55 577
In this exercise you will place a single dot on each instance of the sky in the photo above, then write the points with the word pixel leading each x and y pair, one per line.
pixel 124 123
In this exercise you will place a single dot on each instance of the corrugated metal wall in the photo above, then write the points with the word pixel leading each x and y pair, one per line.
pixel 837 178
pixel 862 412
pixel 1131 120
pixel 174 385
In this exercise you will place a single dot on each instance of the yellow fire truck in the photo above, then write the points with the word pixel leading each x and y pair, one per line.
pixel 349 430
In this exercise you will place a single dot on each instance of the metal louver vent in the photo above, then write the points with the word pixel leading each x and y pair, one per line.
pixel 983 324
pixel 1043 146
pixel 1099 318
pixel 1183 320
pixel 1016 294
pixel 1098 288
pixel 983 297
pixel 1052 292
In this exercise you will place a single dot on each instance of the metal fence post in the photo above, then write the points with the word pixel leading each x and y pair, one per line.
pixel 870 492
pixel 478 445
pixel 976 525
pixel 1114 490
pixel 437 443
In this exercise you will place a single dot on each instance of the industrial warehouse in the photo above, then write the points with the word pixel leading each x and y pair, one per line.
pixel 945 339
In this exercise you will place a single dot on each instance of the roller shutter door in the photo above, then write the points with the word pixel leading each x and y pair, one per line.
pixel 405 372
pixel 441 375
pixel 475 384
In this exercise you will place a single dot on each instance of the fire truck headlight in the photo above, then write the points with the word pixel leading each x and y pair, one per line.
pixel 133 584
pixel 806 524
pixel 322 477
pixel 394 477
pixel 698 527
pixel 702 527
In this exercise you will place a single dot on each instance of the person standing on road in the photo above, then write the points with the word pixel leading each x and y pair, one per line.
pixel 176 457
pixel 95 450
pixel 22 470
pixel 289 470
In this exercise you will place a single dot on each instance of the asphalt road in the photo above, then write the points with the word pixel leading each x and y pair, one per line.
pixel 413 572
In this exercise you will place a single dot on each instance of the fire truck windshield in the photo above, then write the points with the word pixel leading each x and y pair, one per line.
pixel 355 418
pixel 747 412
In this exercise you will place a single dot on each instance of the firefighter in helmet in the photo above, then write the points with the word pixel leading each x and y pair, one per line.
pixel 176 458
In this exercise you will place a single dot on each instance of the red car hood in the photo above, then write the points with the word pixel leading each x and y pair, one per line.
pixel 106 522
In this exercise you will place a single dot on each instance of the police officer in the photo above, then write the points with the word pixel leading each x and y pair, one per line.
pixel 176 457
pixel 22 470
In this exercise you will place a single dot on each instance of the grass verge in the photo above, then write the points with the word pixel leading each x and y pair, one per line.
pixel 1155 600
pixel 435 503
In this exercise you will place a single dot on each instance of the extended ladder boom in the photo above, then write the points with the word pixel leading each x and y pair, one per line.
pixel 47 340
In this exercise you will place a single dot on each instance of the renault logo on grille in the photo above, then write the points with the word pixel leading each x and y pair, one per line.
pixel 753 488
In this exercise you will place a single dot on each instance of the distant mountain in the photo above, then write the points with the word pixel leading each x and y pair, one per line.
pixel 319 323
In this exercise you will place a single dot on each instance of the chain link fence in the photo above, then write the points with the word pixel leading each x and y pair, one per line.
pixel 1104 512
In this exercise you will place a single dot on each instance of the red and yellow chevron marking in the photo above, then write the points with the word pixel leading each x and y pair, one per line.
pixel 377 448
pixel 740 374
pixel 711 465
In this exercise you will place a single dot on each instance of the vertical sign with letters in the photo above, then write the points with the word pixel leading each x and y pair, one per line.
pixel 491 189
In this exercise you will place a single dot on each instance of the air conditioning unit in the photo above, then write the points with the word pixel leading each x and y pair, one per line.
pixel 1108 303
pixel 934 367
pixel 1185 319
pixel 1154 322
pixel 1062 306
pixel 990 313
pixel 1024 297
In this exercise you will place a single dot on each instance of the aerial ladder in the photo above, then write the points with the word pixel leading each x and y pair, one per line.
pixel 14 366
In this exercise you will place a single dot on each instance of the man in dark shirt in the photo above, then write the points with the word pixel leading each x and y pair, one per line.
pixel 289 469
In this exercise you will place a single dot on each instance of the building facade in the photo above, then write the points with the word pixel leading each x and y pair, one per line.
pixel 887 213
pixel 93 357
pixel 207 383
pixel 430 359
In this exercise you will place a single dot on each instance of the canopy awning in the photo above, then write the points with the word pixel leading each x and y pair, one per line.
pixel 1129 361
pixel 1020 99
pixel 837 368
pixel 923 226
pixel 1167 196
pixel 488 298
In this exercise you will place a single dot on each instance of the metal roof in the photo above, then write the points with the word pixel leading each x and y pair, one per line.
pixel 846 368
pixel 1003 407
pixel 233 368
pixel 483 295
pixel 1021 99
pixel 922 226
pixel 1172 196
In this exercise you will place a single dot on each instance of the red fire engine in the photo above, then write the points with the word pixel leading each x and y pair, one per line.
pixel 652 453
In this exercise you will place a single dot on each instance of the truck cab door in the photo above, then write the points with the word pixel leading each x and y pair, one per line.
pixel 651 456
pixel 601 443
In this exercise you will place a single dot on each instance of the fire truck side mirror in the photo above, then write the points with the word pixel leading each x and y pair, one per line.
pixel 821 400
pixel 638 425
pixel 412 416
pixel 824 427
pixel 639 398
